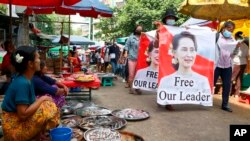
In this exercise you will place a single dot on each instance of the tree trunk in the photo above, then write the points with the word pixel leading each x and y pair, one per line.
pixel 23 32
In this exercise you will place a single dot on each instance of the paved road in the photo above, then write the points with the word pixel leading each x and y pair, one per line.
pixel 186 123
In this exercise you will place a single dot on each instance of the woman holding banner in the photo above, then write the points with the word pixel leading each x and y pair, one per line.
pixel 146 78
pixel 226 46
pixel 184 86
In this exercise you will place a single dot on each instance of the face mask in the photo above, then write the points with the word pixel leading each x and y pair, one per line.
pixel 170 22
pixel 227 34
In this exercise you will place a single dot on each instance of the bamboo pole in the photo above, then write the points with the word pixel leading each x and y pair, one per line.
pixel 61 53
pixel 69 34
pixel 10 12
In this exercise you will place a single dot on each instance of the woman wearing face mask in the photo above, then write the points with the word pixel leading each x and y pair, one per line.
pixel 184 55
pixel 223 61
pixel 170 18
pixel 131 52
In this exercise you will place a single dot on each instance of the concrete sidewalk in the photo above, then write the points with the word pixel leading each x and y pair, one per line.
pixel 186 123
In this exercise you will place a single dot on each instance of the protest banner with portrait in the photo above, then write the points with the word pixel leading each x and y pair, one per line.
pixel 146 77
pixel 186 65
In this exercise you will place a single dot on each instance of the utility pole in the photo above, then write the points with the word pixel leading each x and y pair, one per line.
pixel 91 29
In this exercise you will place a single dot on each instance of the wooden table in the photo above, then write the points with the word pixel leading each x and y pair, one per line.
pixel 82 93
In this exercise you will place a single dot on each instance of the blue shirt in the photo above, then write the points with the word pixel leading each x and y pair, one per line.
pixel 132 46
pixel 43 85
pixel 20 91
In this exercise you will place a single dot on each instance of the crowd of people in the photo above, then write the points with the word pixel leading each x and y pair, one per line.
pixel 229 66
pixel 110 59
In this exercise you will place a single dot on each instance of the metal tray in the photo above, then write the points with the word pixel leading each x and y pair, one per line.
pixel 128 136
pixel 78 135
pixel 71 121
pixel 66 110
pixel 102 121
pixel 102 134
pixel 79 104
pixel 84 80
pixel 131 114
pixel 92 111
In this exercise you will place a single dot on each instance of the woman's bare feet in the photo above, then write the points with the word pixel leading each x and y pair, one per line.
pixel 126 85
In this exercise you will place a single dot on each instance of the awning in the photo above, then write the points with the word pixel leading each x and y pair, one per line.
pixel 121 40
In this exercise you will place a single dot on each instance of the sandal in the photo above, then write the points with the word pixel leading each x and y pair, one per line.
pixel 169 107
pixel 127 85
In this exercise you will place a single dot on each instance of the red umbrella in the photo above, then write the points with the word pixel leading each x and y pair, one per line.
pixel 86 8
pixel 39 2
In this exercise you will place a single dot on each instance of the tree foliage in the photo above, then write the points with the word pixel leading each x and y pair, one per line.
pixel 143 12
pixel 3 8
pixel 45 24
pixel 48 26
pixel 51 25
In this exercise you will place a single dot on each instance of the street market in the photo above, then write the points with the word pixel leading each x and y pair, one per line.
pixel 124 70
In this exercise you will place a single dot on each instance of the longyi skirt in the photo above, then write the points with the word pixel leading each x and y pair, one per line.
pixel 45 118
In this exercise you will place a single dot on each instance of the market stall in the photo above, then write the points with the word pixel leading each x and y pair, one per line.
pixel 89 85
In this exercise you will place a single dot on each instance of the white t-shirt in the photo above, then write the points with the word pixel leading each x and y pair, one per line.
pixel 112 55
pixel 106 56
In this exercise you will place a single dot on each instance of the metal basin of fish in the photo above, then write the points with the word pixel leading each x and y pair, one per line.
pixel 66 110
pixel 131 114
pixel 70 121
pixel 79 104
pixel 129 136
pixel 92 111
pixel 102 134
pixel 102 121
pixel 77 135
